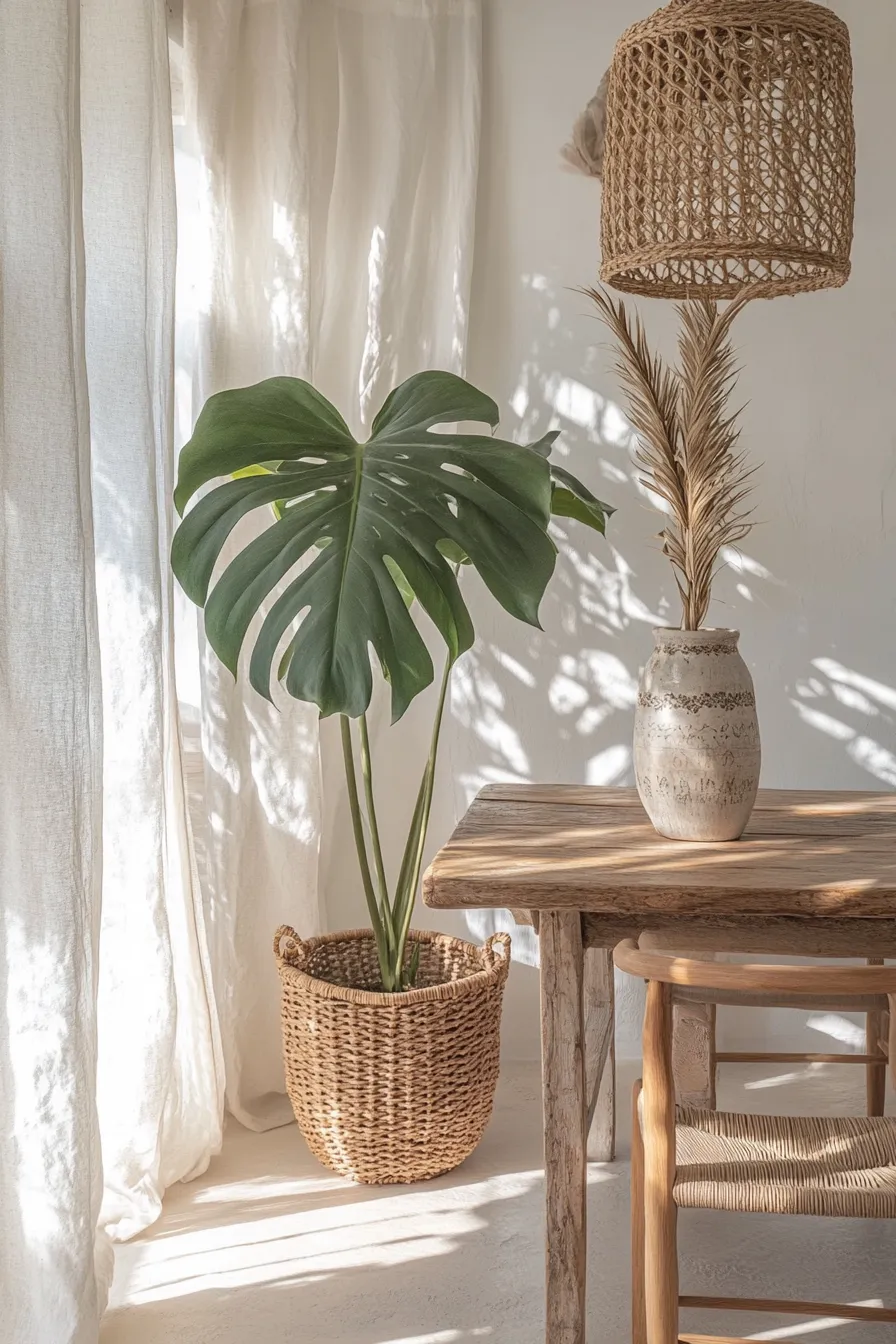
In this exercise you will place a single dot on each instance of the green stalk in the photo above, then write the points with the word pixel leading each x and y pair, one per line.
pixel 354 803
pixel 410 848
pixel 367 776
pixel 405 897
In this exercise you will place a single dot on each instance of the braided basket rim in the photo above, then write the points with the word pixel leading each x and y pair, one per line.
pixel 495 969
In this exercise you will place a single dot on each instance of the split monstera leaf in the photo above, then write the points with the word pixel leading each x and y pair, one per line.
pixel 364 530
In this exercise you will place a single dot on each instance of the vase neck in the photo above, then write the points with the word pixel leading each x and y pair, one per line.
pixel 696 640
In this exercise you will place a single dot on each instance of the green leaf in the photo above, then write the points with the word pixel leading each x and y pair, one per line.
pixel 401 583
pixel 412 968
pixel 356 516
pixel 454 553
pixel 571 499
pixel 281 418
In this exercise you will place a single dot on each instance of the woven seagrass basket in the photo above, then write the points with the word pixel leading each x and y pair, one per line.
pixel 391 1088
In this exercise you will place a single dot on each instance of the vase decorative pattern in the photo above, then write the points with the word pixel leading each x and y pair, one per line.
pixel 696 748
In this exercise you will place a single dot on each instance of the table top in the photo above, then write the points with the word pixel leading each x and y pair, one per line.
pixel 591 848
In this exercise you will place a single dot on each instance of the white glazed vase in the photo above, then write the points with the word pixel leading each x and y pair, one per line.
pixel 696 749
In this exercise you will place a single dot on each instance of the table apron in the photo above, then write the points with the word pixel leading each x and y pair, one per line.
pixel 750 933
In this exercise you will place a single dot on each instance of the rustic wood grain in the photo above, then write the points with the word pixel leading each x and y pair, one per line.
pixel 808 1003
pixel 639 1306
pixel 790 1057
pixel 601 1139
pixel 814 875
pixel 694 1054
pixel 818 855
pixel 876 1077
pixel 563 1065
pixel 779 936
pixel 825 982
pixel 660 1213
pixel 600 1062
pixel 785 1307
pixel 725 1339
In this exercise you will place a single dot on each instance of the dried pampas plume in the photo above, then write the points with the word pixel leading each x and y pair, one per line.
pixel 584 153
pixel 687 438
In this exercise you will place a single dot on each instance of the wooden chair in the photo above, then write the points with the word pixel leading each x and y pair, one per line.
pixel 696 1057
pixel 684 1157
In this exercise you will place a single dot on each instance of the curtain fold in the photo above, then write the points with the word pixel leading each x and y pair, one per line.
pixel 50 722
pixel 160 1080
pixel 243 316
pixel 109 1056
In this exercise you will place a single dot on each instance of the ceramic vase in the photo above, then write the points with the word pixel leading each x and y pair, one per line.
pixel 696 749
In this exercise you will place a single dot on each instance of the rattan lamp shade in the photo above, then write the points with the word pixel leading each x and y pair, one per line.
pixel 730 151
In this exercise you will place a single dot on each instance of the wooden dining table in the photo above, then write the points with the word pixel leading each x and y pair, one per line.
pixel 814 875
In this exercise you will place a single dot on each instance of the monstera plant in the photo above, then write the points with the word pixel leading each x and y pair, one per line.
pixel 362 536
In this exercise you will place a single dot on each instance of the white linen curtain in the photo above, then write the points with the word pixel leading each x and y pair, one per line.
pixel 327 175
pixel 118 1050
pixel 50 1180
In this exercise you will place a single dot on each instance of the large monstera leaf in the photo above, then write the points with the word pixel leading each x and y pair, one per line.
pixel 373 521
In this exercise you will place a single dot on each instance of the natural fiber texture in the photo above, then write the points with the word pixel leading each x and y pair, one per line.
pixel 687 439
pixel 391 1088
pixel 730 151
pixel 584 152
pixel 840 1167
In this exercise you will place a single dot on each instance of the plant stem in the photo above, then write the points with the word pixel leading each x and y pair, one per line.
pixel 367 776
pixel 354 803
pixel 412 877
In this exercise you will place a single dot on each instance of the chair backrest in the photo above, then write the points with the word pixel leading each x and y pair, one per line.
pixel 671 979
pixel 724 978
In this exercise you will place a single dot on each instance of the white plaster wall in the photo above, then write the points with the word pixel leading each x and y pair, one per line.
pixel 815 595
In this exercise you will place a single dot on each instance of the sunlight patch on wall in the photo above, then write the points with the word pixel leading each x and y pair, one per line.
pixel 575 401
pixel 609 766
pixel 857 694
pixel 839 1028
pixel 823 722
pixel 844 676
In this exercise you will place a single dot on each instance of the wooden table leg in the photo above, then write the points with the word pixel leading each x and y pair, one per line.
pixel 600 1054
pixel 876 1074
pixel 563 1065
pixel 660 1213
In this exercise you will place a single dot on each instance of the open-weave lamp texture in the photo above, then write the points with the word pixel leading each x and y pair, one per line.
pixel 730 151
pixel 391 1088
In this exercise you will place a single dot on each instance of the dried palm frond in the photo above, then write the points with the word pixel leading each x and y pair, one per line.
pixel 687 447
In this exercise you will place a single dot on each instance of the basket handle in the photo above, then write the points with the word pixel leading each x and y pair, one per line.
pixel 295 951
pixel 501 940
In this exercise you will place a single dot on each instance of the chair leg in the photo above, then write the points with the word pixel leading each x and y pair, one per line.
pixel 660 1213
pixel 876 1074
pixel 639 1311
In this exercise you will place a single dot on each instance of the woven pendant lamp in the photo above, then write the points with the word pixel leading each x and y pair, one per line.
pixel 730 151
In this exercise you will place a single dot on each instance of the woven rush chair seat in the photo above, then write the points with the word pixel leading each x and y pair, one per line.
pixel 834 1167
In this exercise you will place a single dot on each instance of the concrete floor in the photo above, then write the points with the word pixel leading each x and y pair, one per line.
pixel 268 1247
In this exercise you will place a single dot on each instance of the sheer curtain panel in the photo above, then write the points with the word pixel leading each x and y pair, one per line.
pixel 50 757
pixel 108 1024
